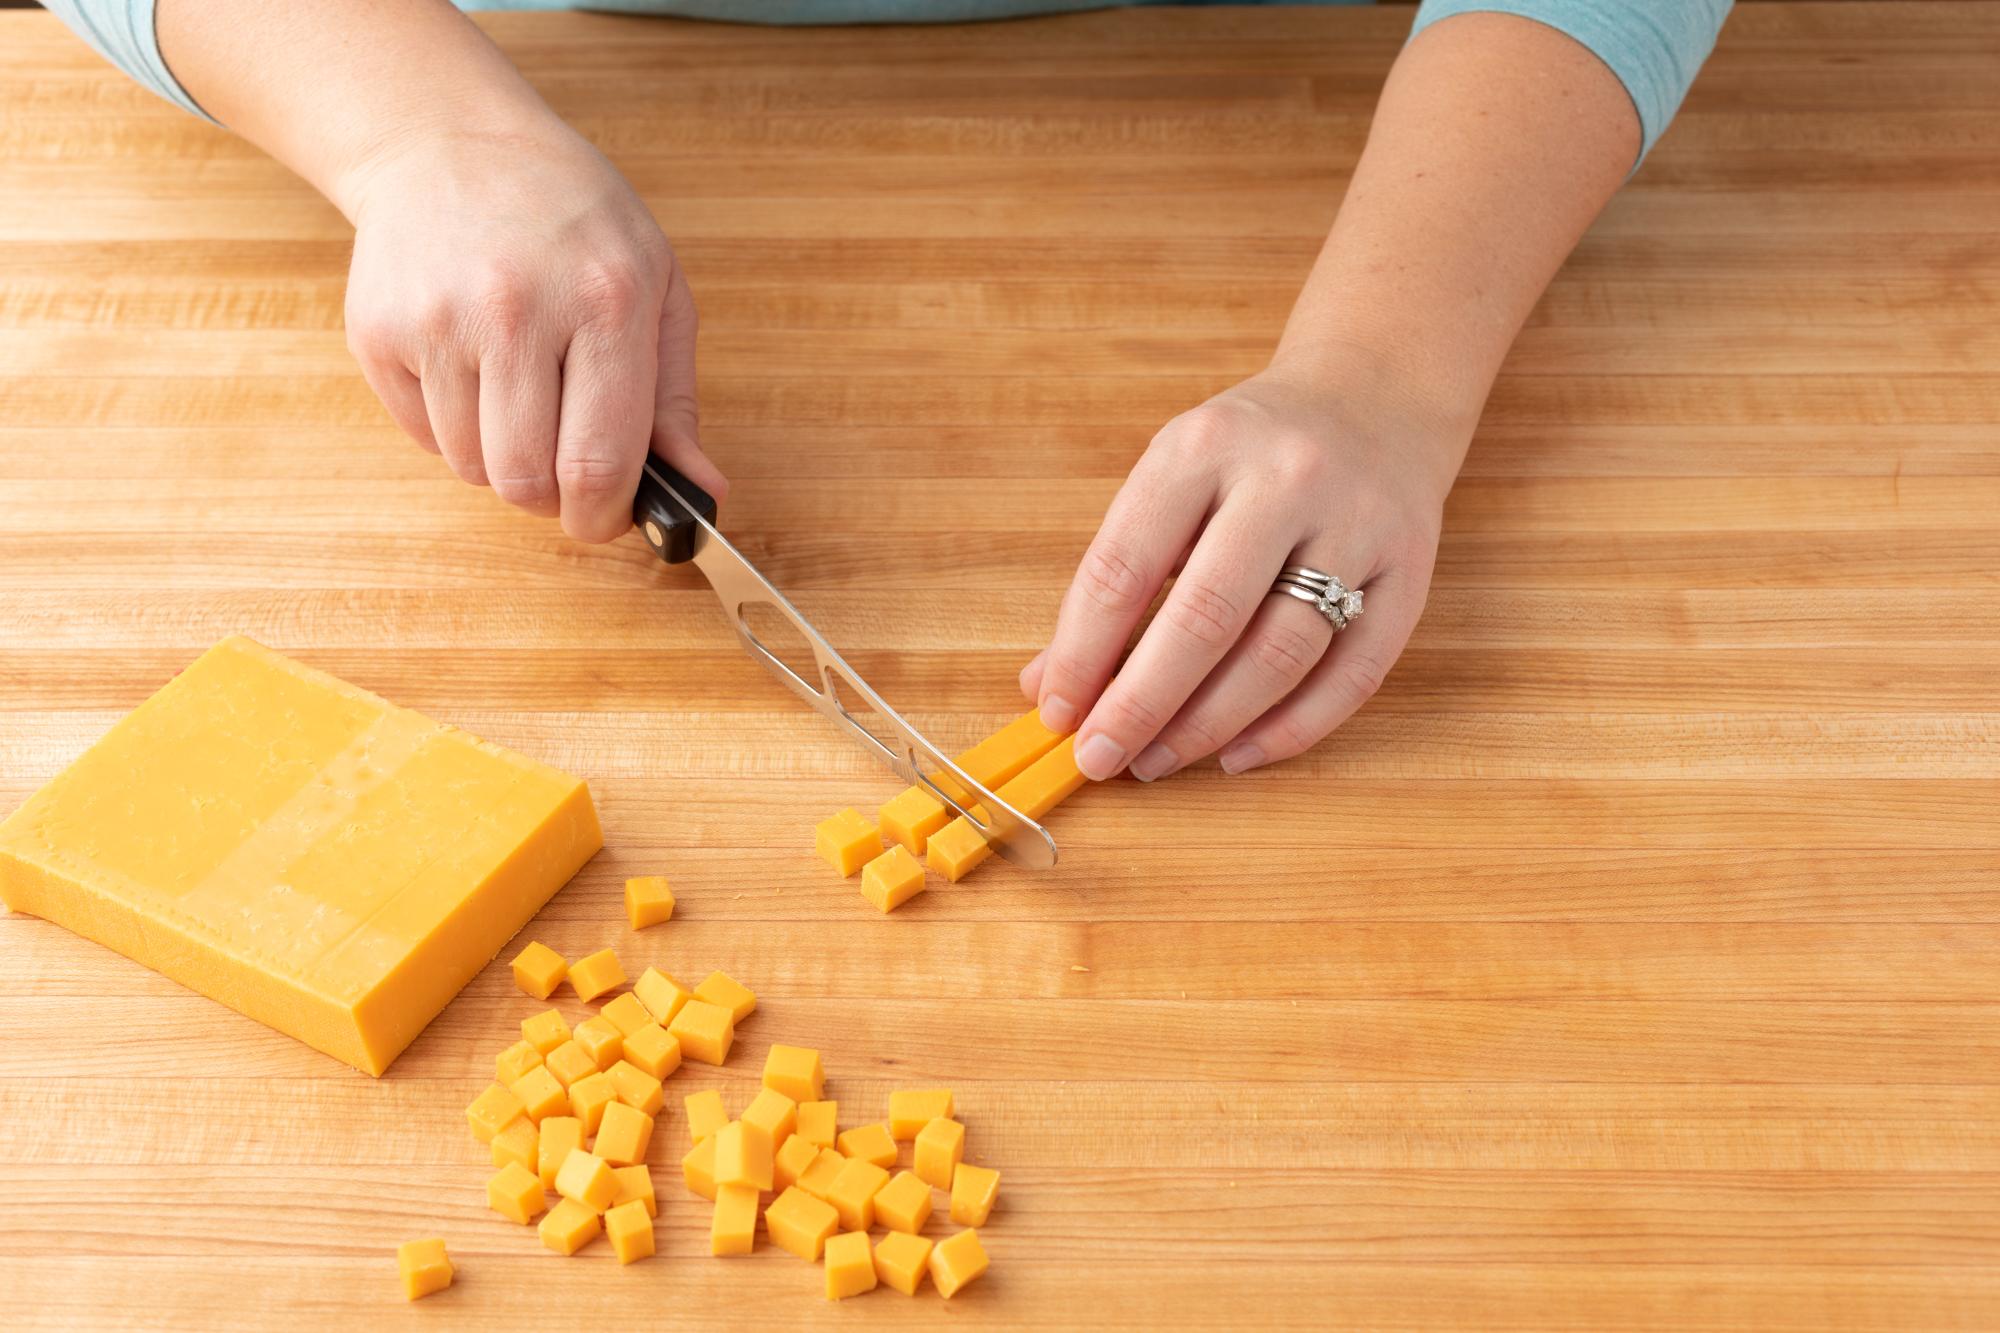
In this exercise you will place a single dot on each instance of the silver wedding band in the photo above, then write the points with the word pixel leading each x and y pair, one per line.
pixel 1325 593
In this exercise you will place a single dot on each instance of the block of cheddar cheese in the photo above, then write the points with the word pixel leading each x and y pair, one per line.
pixel 910 1109
pixel 303 851
pixel 955 1261
pixel 916 813
pixel 1040 788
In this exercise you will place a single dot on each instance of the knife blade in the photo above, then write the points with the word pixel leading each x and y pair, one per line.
pixel 678 520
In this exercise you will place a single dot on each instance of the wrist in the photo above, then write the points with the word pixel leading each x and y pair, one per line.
pixel 1401 400
pixel 418 152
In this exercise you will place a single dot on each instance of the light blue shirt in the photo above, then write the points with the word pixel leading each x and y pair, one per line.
pixel 1654 47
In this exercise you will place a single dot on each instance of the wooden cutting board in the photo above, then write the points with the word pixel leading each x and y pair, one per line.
pixel 1630 960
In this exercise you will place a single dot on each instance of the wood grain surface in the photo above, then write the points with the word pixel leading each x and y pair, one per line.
pixel 1631 961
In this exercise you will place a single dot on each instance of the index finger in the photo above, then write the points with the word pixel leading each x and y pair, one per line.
pixel 606 425
pixel 1144 532
pixel 1226 578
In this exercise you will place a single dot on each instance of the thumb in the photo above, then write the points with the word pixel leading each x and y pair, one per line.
pixel 676 409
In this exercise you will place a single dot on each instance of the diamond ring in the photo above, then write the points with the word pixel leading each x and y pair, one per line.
pixel 1324 592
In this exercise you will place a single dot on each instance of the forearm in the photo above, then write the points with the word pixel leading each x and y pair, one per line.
pixel 333 87
pixel 1496 142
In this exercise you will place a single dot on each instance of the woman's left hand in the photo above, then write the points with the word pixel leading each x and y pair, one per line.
pixel 1338 472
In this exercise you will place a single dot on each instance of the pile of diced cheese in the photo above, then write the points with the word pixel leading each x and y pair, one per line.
pixel 574 1111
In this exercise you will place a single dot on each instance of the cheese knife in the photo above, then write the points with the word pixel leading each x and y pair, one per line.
pixel 678 520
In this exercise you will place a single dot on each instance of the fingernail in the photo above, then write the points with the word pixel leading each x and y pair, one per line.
pixel 1099 757
pixel 1155 761
pixel 1239 757
pixel 1059 714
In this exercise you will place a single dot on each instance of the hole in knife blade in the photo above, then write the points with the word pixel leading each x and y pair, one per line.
pixel 863 716
pixel 768 628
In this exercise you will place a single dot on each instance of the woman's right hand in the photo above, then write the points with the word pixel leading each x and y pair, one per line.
pixel 518 311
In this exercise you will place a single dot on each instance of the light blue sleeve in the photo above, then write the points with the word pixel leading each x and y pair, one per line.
pixel 122 32
pixel 1655 47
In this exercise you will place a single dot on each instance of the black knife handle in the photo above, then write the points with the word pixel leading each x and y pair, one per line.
pixel 664 521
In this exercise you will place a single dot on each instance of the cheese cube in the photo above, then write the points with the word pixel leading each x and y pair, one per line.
pixel 771 1114
pixel 540 1095
pixel 570 1226
pixel 705 1114
pixel 850 1266
pixel 587 1178
pixel 648 901
pixel 538 970
pixel 635 1185
pixel 901 1260
pixel 661 994
pixel 800 1223
pixel 910 818
pixel 892 879
pixel 627 1013
pixel 588 1097
pixel 309 854
pixel 705 1031
pixel 795 1071
pixel 818 1122
pixel 629 1228
pixel 847 841
pixel 904 1204
pixel 515 1193
pixel 519 1142
pixel 545 1031
pixel 636 1088
pixel 733 1229
pixel 868 1143
pixel 743 1156
pixel 623 1135
pixel 791 1162
pixel 596 974
pixel 940 1145
pixel 817 1179
pixel 726 992
pixel 424 1266
pixel 955 1261
pixel 492 1111
pixel 698 1168
pixel 515 1061
pixel 601 1041
pixel 560 1136
pixel 955 849
pixel 569 1062
pixel 973 1190
pixel 917 813
pixel 853 1191
pixel 911 1109
pixel 653 1050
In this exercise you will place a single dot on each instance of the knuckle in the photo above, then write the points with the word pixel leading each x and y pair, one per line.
pixel 1134 715
pixel 503 305
pixel 609 289
pixel 588 474
pixel 524 488
pixel 1196 733
pixel 1300 465
pixel 1365 675
pixel 1284 652
pixel 1295 737
pixel 1112 578
pixel 1204 613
